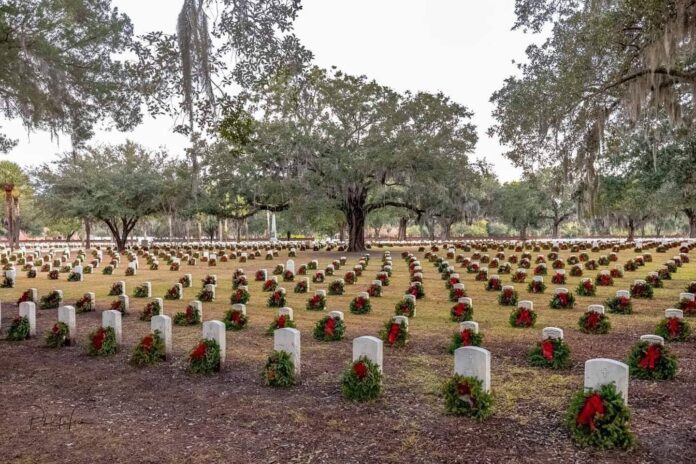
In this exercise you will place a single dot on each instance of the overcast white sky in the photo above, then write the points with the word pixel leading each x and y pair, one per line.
pixel 464 48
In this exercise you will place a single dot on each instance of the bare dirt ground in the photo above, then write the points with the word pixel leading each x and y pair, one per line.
pixel 64 406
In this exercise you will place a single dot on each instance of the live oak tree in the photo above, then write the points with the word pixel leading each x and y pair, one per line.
pixel 605 66
pixel 354 143
pixel 117 185
pixel 219 45
pixel 59 71
pixel 519 204
pixel 555 195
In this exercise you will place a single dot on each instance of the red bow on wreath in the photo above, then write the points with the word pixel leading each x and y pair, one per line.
pixel 236 316
pixel 592 320
pixel 360 370
pixel 329 326
pixel 280 322
pixel 524 317
pixel 594 406
pixel 652 355
pixel 147 343
pixel 563 298
pixel 98 339
pixel 393 332
pixel 547 349
pixel 673 326
pixel 199 352
pixel 465 336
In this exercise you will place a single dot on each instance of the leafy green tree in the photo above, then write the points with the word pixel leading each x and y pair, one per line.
pixel 117 185
pixel 354 143
pixel 555 195
pixel 519 205
pixel 59 71
pixel 604 67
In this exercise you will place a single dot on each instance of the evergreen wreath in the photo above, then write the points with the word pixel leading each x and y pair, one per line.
pixel 150 350
pixel 552 353
pixel 652 361
pixel 279 370
pixel 361 381
pixel 465 337
pixel 673 329
pixel 205 357
pixel 360 305
pixel 465 396
pixel 592 322
pixel 523 317
pixel 19 330
pixel 190 316
pixel 405 307
pixel 461 312
pixel 280 322
pixel 562 301
pixel 395 334
pixel 102 342
pixel 235 319
pixel 600 419
pixel 58 336
pixel 329 329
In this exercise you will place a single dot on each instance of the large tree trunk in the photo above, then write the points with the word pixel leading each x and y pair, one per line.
pixel 403 224
pixel 9 208
pixel 120 232
pixel 523 233
pixel 355 210
pixel 691 214
pixel 88 233
pixel 170 224
pixel 554 231
pixel 631 230
pixel 446 230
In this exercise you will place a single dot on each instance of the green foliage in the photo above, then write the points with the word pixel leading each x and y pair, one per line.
pixel 19 330
pixel 673 329
pixel 550 353
pixel 150 350
pixel 594 323
pixel 58 336
pixel 465 396
pixel 205 357
pixel 329 329
pixel 605 430
pixel 102 342
pixel 279 370
pixel 235 319
pixel 362 381
pixel 662 367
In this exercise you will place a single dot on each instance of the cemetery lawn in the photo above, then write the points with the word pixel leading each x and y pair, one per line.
pixel 163 414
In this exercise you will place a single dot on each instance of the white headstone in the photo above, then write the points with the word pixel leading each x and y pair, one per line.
pixel 472 361
pixel 288 340
pixel 28 309
pixel 671 312
pixel 215 330
pixel 66 315
pixel 197 306
pixel 560 290
pixel 112 318
pixel 526 304
pixel 240 307
pixel 336 315
pixel 652 339
pixel 364 295
pixel 163 323
pixel 370 347
pixel 471 325
pixel 595 308
pixel 401 320
pixel 552 333
pixel 320 291
pixel 686 296
pixel 290 265
pixel 466 300
pixel 623 293
pixel 602 371
pixel 285 311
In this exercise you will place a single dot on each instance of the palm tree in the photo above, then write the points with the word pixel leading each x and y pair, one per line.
pixel 12 180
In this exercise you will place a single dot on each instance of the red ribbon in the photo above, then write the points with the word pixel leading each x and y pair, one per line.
pixel 563 299
pixel 280 322
pixel 329 326
pixel 547 349
pixel 393 333
pixel 594 406
pixel 147 342
pixel 652 355
pixel 592 320
pixel 524 317
pixel 236 316
pixel 360 369
pixel 673 326
pixel 465 336
pixel 98 339
pixel 199 352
